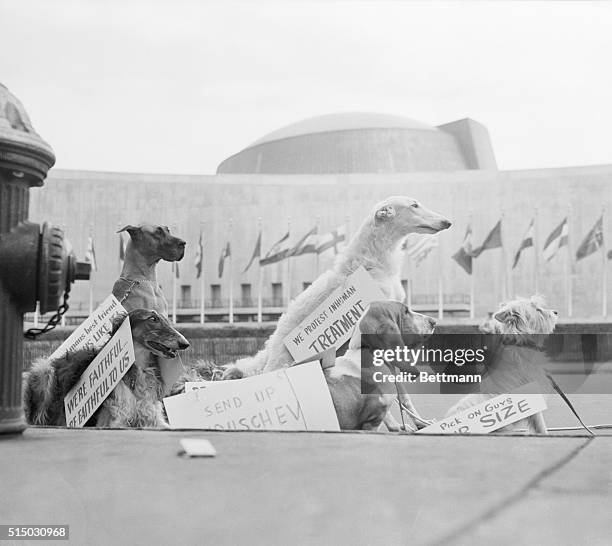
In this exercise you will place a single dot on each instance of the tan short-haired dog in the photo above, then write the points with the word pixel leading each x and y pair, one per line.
pixel 386 325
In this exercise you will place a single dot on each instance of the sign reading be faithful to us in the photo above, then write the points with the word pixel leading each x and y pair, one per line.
pixel 333 322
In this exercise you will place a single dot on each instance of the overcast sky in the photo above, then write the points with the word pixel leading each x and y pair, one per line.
pixel 179 86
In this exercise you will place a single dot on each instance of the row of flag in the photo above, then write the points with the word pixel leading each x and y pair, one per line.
pixel 416 248
pixel 557 239
pixel 311 243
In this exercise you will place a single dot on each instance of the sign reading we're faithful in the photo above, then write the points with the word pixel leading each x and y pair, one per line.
pixel 100 377
pixel 333 322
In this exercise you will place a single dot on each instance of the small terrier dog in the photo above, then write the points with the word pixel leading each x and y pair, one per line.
pixel 519 328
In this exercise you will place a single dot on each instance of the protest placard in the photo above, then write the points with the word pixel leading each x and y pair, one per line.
pixel 94 331
pixel 295 398
pixel 491 414
pixel 333 322
pixel 100 377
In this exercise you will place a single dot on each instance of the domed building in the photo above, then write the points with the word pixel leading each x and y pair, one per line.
pixel 365 143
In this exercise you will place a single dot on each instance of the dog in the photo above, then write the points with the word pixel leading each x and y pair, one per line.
pixel 135 401
pixel 376 247
pixel 137 286
pixel 386 325
pixel 519 327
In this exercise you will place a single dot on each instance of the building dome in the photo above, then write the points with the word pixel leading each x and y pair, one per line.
pixel 353 143
pixel 22 150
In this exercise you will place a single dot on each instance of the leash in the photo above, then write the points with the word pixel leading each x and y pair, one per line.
pixel 569 404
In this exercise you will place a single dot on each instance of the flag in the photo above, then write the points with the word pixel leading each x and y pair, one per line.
pixel 307 244
pixel 419 248
pixel 199 256
pixel 592 242
pixel 90 254
pixel 556 239
pixel 331 240
pixel 225 253
pixel 493 240
pixel 279 251
pixel 175 270
pixel 464 255
pixel 256 252
pixel 525 243
pixel 122 246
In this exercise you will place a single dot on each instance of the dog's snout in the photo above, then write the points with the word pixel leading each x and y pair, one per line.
pixel 180 242
pixel 556 313
pixel 183 344
pixel 446 223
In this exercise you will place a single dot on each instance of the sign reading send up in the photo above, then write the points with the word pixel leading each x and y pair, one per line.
pixel 333 322
pixel 295 398
pixel 100 377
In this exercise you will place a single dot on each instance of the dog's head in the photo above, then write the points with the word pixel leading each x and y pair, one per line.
pixel 154 332
pixel 156 242
pixel 390 324
pixel 401 215
pixel 523 320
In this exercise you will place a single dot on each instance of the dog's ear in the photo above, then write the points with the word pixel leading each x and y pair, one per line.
pixel 506 316
pixel 132 230
pixel 380 328
pixel 385 213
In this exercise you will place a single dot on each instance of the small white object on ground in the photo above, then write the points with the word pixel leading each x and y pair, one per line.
pixel 197 447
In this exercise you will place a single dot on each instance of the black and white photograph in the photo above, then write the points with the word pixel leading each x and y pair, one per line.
pixel 305 272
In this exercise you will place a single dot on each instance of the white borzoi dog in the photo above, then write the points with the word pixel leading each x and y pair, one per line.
pixel 376 247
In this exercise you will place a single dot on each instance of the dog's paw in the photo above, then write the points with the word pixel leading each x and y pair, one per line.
pixel 232 373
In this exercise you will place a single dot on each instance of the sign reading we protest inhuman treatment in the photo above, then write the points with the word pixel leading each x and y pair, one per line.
pixel 295 398
pixel 492 414
pixel 100 377
pixel 333 322
pixel 93 330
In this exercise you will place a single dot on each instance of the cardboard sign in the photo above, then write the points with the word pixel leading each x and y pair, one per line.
pixel 100 377
pixel 492 414
pixel 94 331
pixel 295 398
pixel 333 322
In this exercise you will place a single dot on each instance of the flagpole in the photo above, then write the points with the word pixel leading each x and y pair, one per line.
pixel 120 245
pixel 536 257
pixel 472 313
pixel 231 274
pixel 318 224
pixel 568 264
pixel 440 284
pixel 91 274
pixel 202 274
pixel 288 266
pixel 506 288
pixel 604 269
pixel 63 320
pixel 174 266
pixel 259 276
pixel 409 283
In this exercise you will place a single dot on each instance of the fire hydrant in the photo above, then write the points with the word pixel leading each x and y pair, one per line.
pixel 35 262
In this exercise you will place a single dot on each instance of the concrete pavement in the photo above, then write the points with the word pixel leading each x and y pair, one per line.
pixel 132 487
